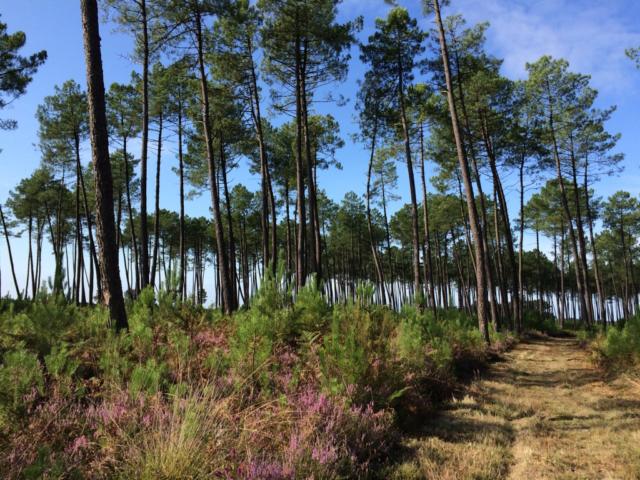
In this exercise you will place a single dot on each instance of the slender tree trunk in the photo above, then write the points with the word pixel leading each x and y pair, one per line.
pixel 77 266
pixel 109 268
pixel 268 200
pixel 156 220
pixel 144 229
pixel 387 232
pixel 427 236
pixel 183 254
pixel 569 216
pixel 374 250
pixel 301 271
pixel 596 263
pixel 87 212
pixel 520 287
pixel 504 214
pixel 288 222
pixel 415 235
pixel 226 281
pixel 581 239
pixel 314 241
pixel 464 167
pixel 30 267
pixel 11 264
pixel 134 240
pixel 232 240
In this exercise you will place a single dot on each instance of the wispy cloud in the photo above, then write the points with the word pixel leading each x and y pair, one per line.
pixel 591 34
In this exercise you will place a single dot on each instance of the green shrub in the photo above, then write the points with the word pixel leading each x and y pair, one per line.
pixel 357 349
pixel 40 326
pixel 311 308
pixel 147 378
pixel 270 320
pixel 545 323
pixel 60 362
pixel 621 346
pixel 113 360
pixel 20 375
pixel 411 341
pixel 343 359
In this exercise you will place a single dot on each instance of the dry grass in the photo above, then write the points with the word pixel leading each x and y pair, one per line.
pixel 181 442
pixel 546 413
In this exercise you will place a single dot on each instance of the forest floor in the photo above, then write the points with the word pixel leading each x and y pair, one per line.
pixel 545 412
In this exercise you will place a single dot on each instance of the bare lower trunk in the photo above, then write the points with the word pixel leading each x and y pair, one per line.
pixel 226 281
pixel 156 220
pixel 109 268
pixel 144 230
pixel 13 269
pixel 464 168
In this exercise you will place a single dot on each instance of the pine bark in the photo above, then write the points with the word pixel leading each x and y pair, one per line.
pixel 464 168
pixel 109 268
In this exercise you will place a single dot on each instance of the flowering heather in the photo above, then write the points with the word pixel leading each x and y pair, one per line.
pixel 255 396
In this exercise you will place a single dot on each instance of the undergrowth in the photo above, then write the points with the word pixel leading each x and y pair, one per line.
pixel 290 388
pixel 618 348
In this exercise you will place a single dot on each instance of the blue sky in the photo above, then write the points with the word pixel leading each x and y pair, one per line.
pixel 591 34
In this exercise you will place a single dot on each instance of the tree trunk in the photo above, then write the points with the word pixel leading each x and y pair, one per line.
pixel 268 200
pixel 92 247
pixel 581 239
pixel 183 255
pixel 232 241
pixel 156 220
pixel 132 226
pixel 415 239
pixel 301 271
pixel 464 167
pixel 109 268
pixel 144 230
pixel 504 214
pixel 427 236
pixel 13 270
pixel 596 263
pixel 314 241
pixel 374 249
pixel 226 281
pixel 567 211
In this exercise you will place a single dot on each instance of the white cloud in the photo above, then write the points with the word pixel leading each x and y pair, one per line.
pixel 591 34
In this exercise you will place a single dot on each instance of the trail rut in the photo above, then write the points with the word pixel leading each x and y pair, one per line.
pixel 544 413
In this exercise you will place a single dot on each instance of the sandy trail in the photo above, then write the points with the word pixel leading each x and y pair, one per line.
pixel 543 413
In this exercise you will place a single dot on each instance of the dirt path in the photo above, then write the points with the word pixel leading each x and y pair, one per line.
pixel 544 413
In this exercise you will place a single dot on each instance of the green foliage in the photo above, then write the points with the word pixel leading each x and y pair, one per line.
pixel 621 345
pixel 20 375
pixel 113 361
pixel 411 340
pixel 269 321
pixel 60 362
pixel 311 309
pixel 147 378
pixel 41 325
pixel 544 323
pixel 422 337
pixel 343 356
pixel 16 71
pixel 285 368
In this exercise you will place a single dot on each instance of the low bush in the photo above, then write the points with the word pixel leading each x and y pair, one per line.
pixel 543 323
pixel 289 388
pixel 619 347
